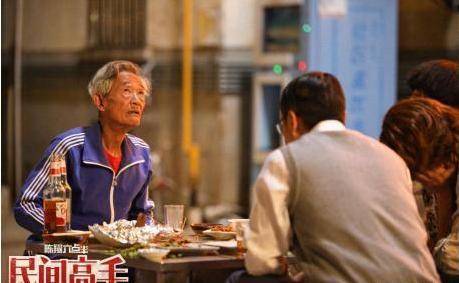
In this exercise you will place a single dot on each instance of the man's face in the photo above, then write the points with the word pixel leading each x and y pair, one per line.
pixel 124 105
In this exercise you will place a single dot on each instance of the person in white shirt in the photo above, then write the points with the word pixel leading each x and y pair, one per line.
pixel 340 201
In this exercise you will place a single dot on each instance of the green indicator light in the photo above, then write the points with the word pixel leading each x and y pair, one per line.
pixel 306 28
pixel 277 69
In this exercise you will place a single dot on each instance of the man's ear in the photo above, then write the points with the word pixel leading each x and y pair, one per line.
pixel 97 101
pixel 293 120
pixel 297 125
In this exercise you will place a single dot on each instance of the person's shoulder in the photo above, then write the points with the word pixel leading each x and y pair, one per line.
pixel 70 136
pixel 378 146
pixel 276 155
pixel 362 137
pixel 138 142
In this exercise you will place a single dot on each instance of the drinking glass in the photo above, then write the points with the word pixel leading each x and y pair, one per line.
pixel 173 215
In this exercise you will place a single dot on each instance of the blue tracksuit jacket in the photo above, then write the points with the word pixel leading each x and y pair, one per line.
pixel 97 193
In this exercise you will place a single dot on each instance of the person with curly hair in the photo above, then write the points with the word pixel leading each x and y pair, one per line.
pixel 425 133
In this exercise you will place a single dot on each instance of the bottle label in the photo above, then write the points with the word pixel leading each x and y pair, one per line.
pixel 61 213
pixel 54 170
pixel 63 166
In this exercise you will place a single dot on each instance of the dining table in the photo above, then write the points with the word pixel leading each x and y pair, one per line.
pixel 225 260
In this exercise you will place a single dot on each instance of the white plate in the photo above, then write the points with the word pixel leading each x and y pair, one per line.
pixel 220 235
pixel 188 248
pixel 105 239
pixel 154 254
pixel 231 244
pixel 123 233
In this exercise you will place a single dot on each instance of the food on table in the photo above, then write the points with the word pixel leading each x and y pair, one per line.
pixel 124 233
pixel 198 228
pixel 220 232
pixel 130 252
pixel 222 228
pixel 169 240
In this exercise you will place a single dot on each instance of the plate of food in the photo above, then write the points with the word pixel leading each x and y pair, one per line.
pixel 231 244
pixel 220 232
pixel 188 248
pixel 72 236
pixel 124 233
pixel 154 254
pixel 198 228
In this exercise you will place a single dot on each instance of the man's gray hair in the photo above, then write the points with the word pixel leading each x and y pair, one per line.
pixel 102 81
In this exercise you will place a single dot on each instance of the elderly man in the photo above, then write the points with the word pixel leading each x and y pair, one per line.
pixel 340 201
pixel 108 169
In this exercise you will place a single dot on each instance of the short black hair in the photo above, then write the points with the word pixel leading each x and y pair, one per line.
pixel 436 79
pixel 314 97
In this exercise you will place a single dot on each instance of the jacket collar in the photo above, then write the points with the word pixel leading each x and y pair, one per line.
pixel 93 151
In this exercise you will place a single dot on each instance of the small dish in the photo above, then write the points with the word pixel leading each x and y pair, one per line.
pixel 154 254
pixel 198 228
pixel 188 248
pixel 220 235
pixel 69 237
pixel 105 239
pixel 231 244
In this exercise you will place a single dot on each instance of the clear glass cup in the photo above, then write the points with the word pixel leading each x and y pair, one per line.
pixel 173 216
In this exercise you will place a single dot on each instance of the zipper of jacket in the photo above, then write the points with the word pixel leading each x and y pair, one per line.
pixel 112 187
pixel 114 183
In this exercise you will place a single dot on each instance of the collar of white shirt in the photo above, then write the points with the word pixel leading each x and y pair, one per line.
pixel 329 125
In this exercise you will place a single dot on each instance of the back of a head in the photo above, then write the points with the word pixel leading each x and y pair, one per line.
pixel 423 132
pixel 436 79
pixel 314 97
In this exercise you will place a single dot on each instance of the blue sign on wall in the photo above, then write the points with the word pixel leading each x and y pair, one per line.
pixel 360 48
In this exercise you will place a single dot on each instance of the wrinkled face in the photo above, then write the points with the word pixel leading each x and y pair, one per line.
pixel 124 104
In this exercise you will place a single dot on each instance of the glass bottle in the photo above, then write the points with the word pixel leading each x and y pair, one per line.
pixel 54 202
pixel 68 190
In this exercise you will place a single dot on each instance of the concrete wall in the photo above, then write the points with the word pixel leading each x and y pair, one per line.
pixel 163 23
pixel 217 23
pixel 54 25
pixel 238 23
pixel 207 23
